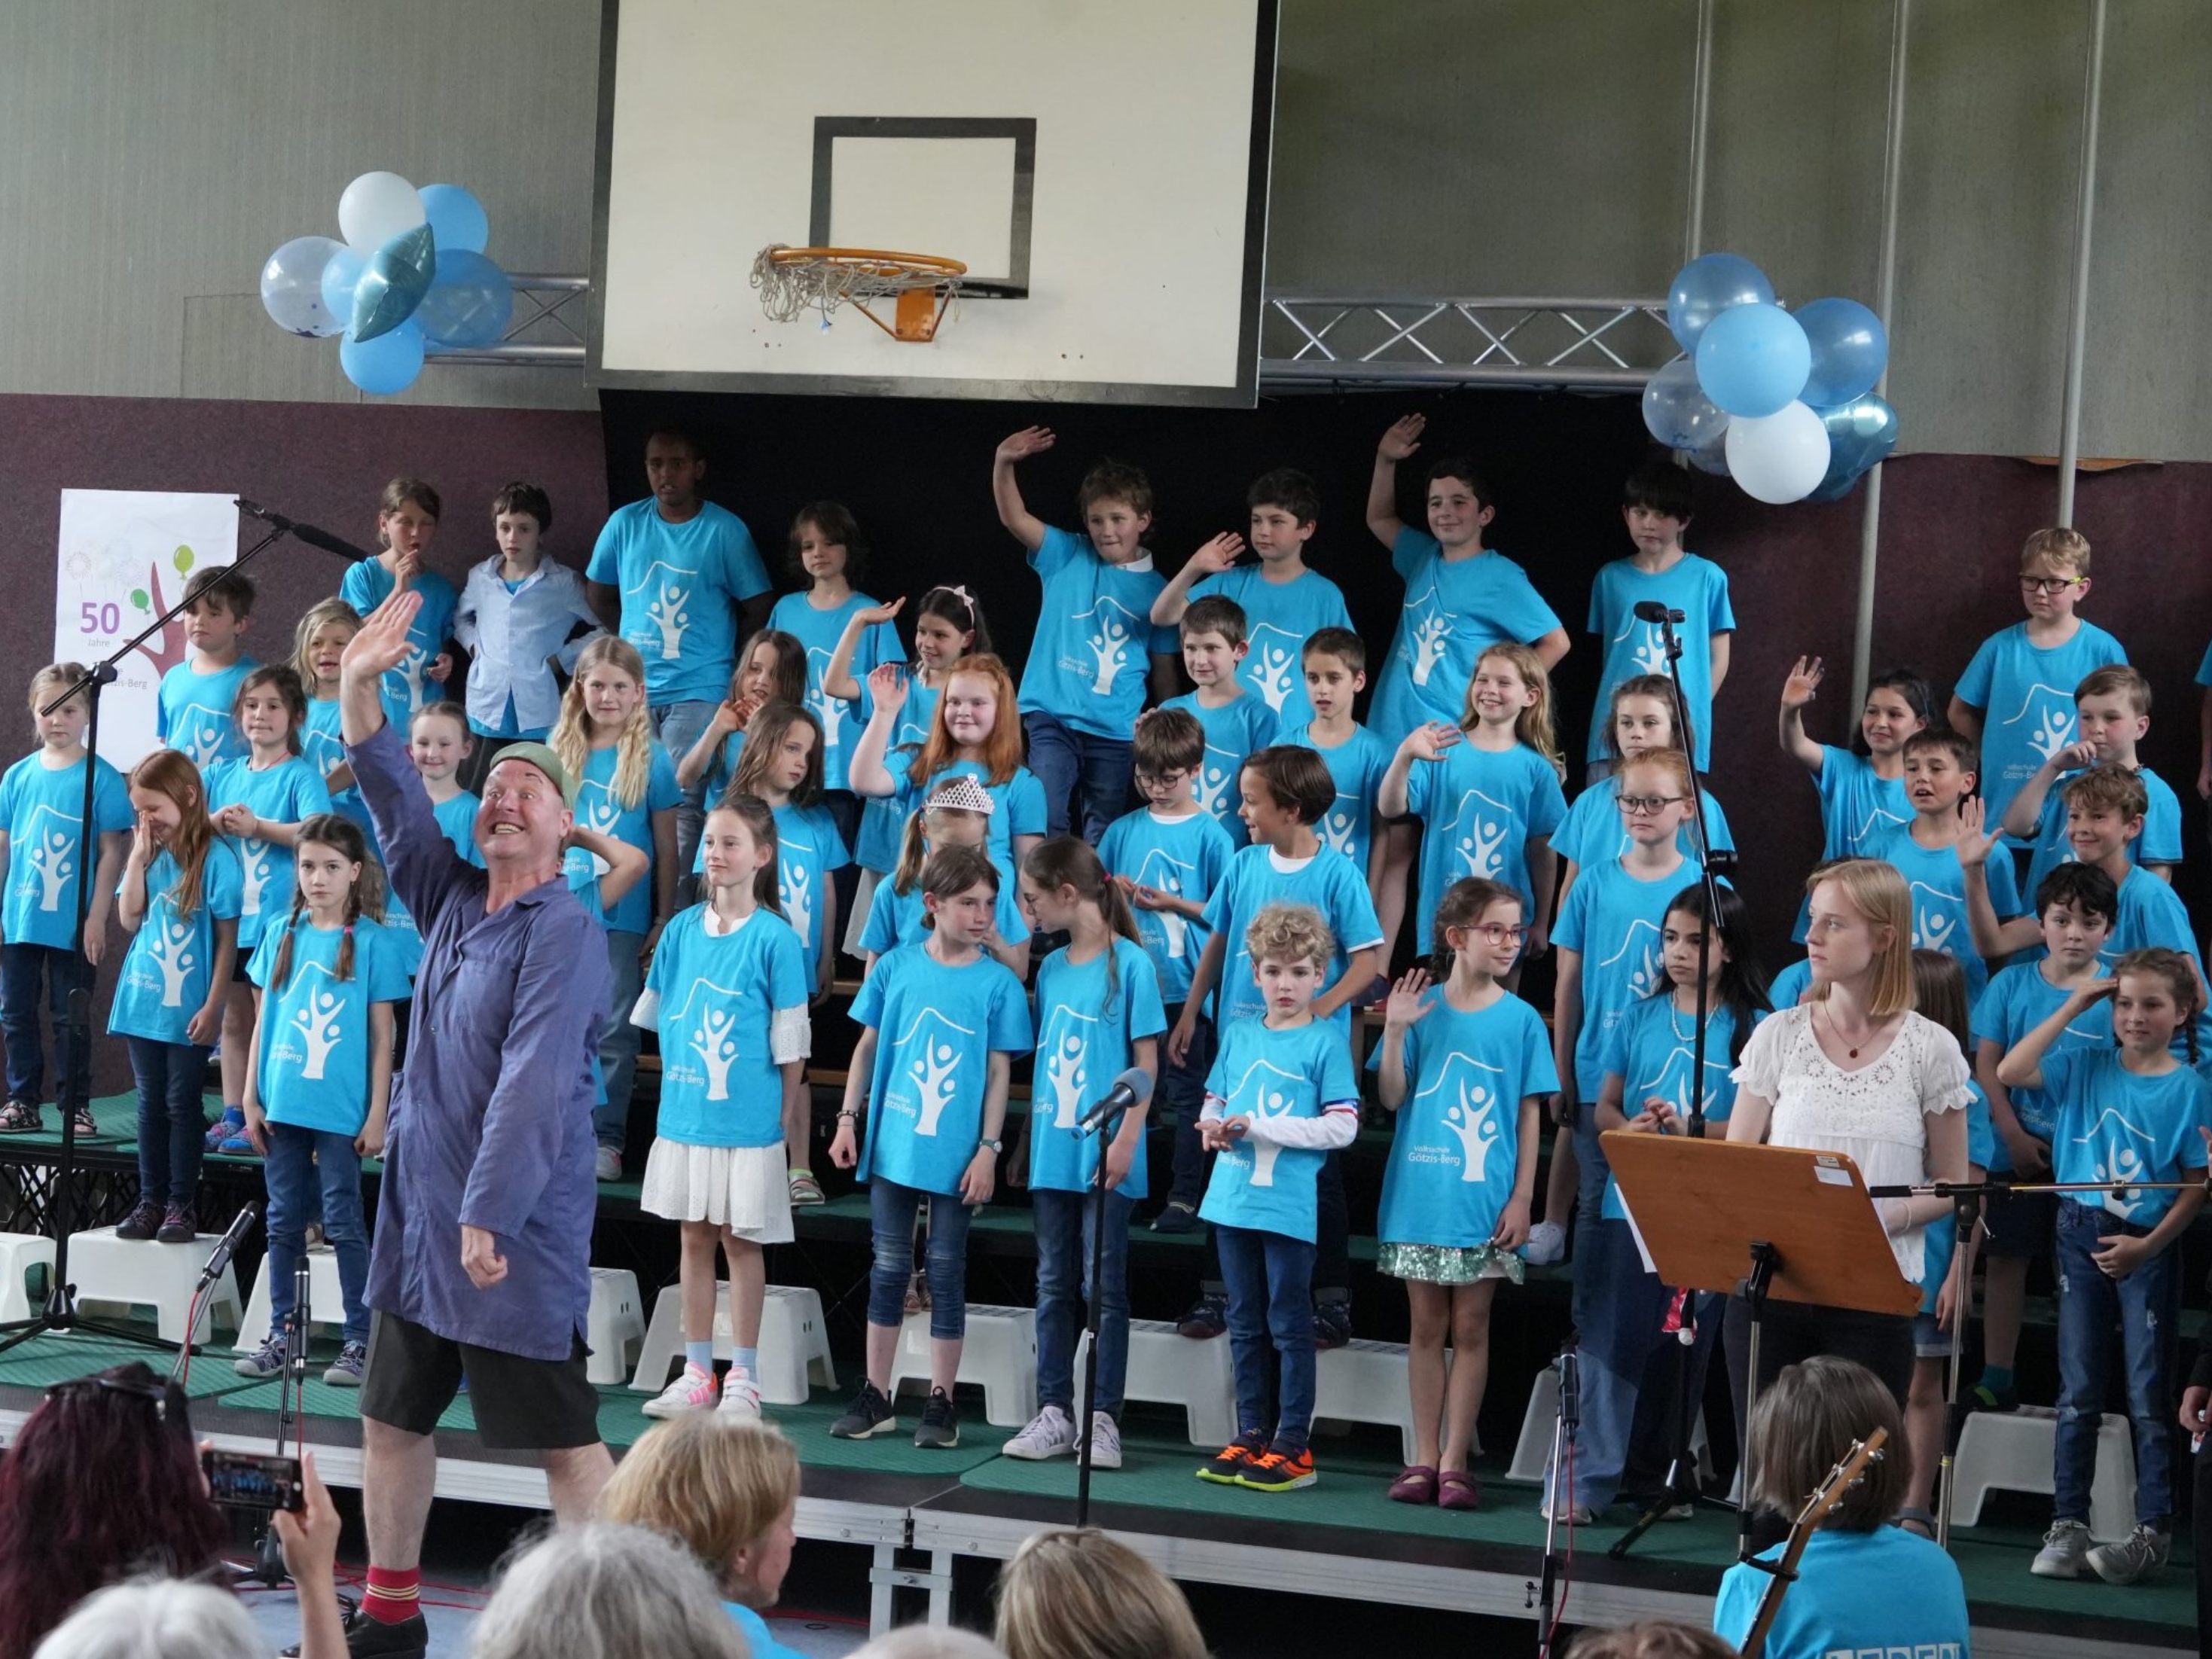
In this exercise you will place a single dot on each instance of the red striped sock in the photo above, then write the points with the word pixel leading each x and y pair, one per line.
pixel 393 1596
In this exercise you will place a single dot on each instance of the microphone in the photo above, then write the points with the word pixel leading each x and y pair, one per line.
pixel 305 532
pixel 1131 1089
pixel 1649 611
pixel 240 1226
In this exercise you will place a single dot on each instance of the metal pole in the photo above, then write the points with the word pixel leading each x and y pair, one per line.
pixel 1701 104
pixel 1885 295
pixel 2070 436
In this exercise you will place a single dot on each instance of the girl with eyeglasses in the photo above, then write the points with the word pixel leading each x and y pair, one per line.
pixel 1466 1065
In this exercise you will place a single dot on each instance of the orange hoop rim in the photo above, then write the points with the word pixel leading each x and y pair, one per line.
pixel 881 262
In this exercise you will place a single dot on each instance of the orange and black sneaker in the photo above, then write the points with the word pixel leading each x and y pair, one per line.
pixel 1229 1464
pixel 1277 1470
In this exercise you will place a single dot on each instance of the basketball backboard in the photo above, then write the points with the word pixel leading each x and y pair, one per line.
pixel 1099 165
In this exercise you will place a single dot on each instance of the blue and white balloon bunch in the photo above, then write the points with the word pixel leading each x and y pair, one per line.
pixel 411 273
pixel 1782 402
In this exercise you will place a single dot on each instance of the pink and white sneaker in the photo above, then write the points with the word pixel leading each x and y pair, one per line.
pixel 740 1395
pixel 694 1391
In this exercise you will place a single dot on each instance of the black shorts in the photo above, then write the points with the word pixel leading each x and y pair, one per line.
pixel 2022 1224
pixel 521 1404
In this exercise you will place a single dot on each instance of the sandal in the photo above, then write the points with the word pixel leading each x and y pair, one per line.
pixel 1458 1490
pixel 806 1190
pixel 21 1117
pixel 1417 1484
pixel 87 1125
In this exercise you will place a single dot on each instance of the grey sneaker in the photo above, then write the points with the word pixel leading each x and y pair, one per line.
pixel 1547 1244
pixel 1049 1434
pixel 607 1163
pixel 2138 1555
pixel 346 1370
pixel 870 1414
pixel 940 1423
pixel 265 1361
pixel 2065 1548
pixel 1105 1442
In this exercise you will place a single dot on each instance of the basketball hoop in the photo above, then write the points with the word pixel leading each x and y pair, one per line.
pixel 795 280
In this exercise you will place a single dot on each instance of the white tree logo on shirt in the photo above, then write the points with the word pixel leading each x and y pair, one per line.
pixel 1336 831
pixel 171 947
pixel 1272 667
pixel 795 883
pixel 714 1043
pixel 1639 948
pixel 316 1020
pixel 2053 726
pixel 1109 647
pixel 826 709
pixel 205 742
pixel 1264 1098
pixel 1210 787
pixel 1467 1107
pixel 1427 640
pixel 256 866
pixel 934 1073
pixel 1934 928
pixel 1160 871
pixel 667 613
pixel 1065 1074
pixel 409 670
pixel 1480 844
pixel 53 859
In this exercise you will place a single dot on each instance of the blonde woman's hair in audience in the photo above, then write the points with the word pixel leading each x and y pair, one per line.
pixel 928 1641
pixel 713 1484
pixel 1084 1595
pixel 1654 1638
pixel 602 1591
pixel 156 1618
pixel 1878 893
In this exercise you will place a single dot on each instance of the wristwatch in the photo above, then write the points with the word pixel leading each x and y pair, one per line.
pixel 990 1146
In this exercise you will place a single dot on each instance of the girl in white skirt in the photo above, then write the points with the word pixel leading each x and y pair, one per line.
pixel 726 993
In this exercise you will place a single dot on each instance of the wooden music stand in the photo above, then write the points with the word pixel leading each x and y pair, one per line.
pixel 1755 1222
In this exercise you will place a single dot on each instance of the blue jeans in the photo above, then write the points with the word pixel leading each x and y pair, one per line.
pixel 1182 1095
pixel 618 1043
pixel 1064 1234
pixel 1270 1280
pixel 891 1210
pixel 305 1165
pixel 1065 759
pixel 23 969
pixel 2145 1304
pixel 678 726
pixel 1619 1308
pixel 172 1118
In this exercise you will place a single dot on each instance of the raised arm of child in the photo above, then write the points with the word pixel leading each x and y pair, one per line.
pixel 1210 560
pixel 2022 1065
pixel 1006 490
pixel 1992 937
pixel 730 716
pixel 1400 440
pixel 837 681
pixel 1423 743
pixel 1799 690
pixel 866 771
pixel 2023 814
pixel 131 900
pixel 1409 1004
pixel 626 864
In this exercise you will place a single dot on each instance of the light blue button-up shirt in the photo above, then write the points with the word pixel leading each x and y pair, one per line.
pixel 509 636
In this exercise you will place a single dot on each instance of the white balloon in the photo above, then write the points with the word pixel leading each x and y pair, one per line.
pixel 1779 458
pixel 375 208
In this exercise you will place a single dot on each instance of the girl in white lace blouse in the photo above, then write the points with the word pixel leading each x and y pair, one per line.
pixel 1854 1069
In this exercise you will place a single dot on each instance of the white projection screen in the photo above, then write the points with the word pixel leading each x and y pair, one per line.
pixel 1101 166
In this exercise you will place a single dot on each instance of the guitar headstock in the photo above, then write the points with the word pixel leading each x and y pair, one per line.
pixel 1849 1470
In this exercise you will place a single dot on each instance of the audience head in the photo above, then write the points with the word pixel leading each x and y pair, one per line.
pixel 1806 1423
pixel 928 1641
pixel 319 641
pixel 604 1591
pixel 724 1489
pixel 103 1481
pixel 948 625
pixel 1653 1638
pixel 826 541
pixel 1084 1595
pixel 1899 703
pixel 157 1619
pixel 1860 932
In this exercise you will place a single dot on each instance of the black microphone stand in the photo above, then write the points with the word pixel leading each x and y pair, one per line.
pixel 1544 1595
pixel 60 1312
pixel 1107 1122
pixel 268 1567
pixel 1682 1484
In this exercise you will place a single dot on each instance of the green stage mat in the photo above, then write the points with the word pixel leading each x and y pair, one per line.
pixel 59 1357
pixel 116 1115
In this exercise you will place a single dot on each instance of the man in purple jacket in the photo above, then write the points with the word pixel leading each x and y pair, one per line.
pixel 481 1267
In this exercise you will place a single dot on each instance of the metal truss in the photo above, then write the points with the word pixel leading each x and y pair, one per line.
pixel 542 333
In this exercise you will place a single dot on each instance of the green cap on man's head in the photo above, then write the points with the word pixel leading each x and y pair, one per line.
pixel 542 757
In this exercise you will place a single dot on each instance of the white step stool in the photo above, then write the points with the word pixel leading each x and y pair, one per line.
pixel 129 1273
pixel 612 1323
pixel 1534 1448
pixel 326 1300
pixel 1363 1382
pixel 1000 1353
pixel 1166 1368
pixel 2013 1451
pixel 19 1254
pixel 794 1342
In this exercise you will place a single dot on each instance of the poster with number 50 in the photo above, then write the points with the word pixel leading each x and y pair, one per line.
pixel 123 559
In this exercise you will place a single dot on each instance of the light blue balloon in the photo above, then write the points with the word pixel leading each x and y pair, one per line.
pixel 470 303
pixel 1753 361
pixel 386 364
pixel 292 286
pixel 1707 286
pixel 1861 434
pixel 1712 457
pixel 397 277
pixel 457 218
pixel 1850 348
pixel 1677 413
pixel 339 278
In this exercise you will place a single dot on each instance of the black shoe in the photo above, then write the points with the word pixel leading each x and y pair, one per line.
pixel 1178 1217
pixel 1332 1325
pixel 144 1221
pixel 177 1227
pixel 372 1638
pixel 1223 1467
pixel 870 1414
pixel 941 1422
pixel 1208 1316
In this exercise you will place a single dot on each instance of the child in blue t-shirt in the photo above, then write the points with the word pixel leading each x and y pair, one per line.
pixel 1641 719
pixel 2111 711
pixel 179 900
pixel 193 712
pixel 1863 795
pixel 1487 804
pixel 1098 1015
pixel 727 996
pixel 1651 1066
pixel 1336 672
pixel 974 732
pixel 406 521
pixel 2016 697
pixel 1086 676
pixel 1930 853
pixel 1465 1065
pixel 2075 907
pixel 2133 1113
pixel 317 645
pixel 260 801
pixel 1236 722
pixel 1656 506
pixel 41 864
pixel 959 815
pixel 319 1080
pixel 940 1023
pixel 1283 602
pixel 1166 858
pixel 625 787
pixel 1280 1099
pixel 771 668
